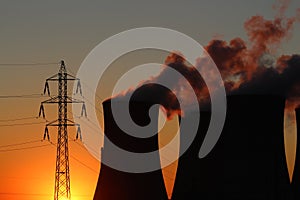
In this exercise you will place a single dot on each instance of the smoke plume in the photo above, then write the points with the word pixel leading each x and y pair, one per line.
pixel 247 67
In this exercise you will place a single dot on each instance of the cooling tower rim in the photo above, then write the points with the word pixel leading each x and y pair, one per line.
pixel 121 100
pixel 228 97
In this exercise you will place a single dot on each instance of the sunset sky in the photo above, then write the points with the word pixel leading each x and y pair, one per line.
pixel 49 31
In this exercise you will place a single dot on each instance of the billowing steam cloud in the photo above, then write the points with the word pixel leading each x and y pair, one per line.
pixel 167 97
pixel 246 67
pixel 239 62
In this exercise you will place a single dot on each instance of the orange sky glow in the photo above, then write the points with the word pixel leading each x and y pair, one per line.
pixel 41 32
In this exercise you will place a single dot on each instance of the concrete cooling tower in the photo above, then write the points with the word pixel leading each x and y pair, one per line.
pixel 248 162
pixel 186 183
pixel 114 184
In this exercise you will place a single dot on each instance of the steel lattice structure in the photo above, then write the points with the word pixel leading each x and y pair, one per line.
pixel 62 172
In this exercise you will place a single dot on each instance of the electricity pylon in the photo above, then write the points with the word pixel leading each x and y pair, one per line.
pixel 62 172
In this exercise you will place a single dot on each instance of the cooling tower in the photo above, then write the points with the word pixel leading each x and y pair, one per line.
pixel 248 161
pixel 296 174
pixel 186 182
pixel 116 184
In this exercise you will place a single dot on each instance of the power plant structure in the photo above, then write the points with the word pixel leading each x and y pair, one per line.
pixel 296 174
pixel 248 161
pixel 186 182
pixel 117 184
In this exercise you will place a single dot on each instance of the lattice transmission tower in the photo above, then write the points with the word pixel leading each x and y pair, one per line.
pixel 62 172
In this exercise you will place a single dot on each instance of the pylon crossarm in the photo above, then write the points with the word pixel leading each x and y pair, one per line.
pixel 51 100
pixel 54 77
pixel 73 100
pixel 68 79
pixel 51 123
pixel 68 124
pixel 56 100
pixel 72 122
pixel 72 77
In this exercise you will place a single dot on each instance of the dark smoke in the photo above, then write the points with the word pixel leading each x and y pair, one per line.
pixel 167 97
pixel 246 67
pixel 273 81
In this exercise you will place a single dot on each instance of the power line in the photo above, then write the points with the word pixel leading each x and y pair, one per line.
pixel 23 194
pixel 87 86
pixel 17 119
pixel 90 148
pixel 88 132
pixel 84 164
pixel 22 96
pixel 76 159
pixel 18 144
pixel 39 194
pixel 28 64
pixel 25 96
pixel 24 148
pixel 22 124
pixel 85 148
pixel 23 178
